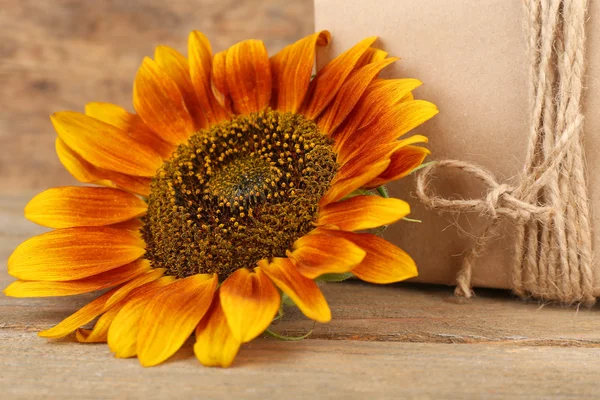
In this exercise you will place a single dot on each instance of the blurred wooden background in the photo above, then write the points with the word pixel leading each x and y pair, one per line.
pixel 60 54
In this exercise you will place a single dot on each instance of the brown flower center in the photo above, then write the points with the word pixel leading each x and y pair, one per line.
pixel 236 193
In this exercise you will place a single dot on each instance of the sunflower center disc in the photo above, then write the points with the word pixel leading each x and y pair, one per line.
pixel 236 193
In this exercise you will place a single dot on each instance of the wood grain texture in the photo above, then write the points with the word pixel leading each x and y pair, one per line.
pixel 398 341
pixel 312 369
pixel 60 54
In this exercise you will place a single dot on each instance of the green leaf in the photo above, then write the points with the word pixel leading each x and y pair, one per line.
pixel 335 277
pixel 411 220
pixel 427 164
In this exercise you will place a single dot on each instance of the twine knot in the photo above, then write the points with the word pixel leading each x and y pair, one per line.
pixel 494 196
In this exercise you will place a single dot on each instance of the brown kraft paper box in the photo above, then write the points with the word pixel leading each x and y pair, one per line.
pixel 471 56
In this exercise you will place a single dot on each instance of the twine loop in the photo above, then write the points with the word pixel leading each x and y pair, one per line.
pixel 501 200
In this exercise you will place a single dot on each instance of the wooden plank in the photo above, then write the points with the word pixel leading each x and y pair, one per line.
pixel 309 369
pixel 373 357
pixel 61 54
pixel 406 313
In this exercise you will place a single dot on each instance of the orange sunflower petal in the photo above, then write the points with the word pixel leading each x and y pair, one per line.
pixel 160 104
pixel 349 95
pixel 171 316
pixel 380 96
pixel 292 68
pixel 216 345
pixel 248 74
pixel 85 172
pixel 250 302
pixel 98 306
pixel 200 59
pixel 131 123
pixel 92 309
pixel 304 292
pixel 384 262
pixel 403 162
pixel 363 212
pixel 71 206
pixel 366 155
pixel 372 55
pixel 330 79
pixel 133 225
pixel 220 88
pixel 74 253
pixel 123 332
pixel 104 145
pixel 178 68
pixel 346 185
pixel 99 334
pixel 392 124
pixel 318 254
pixel 81 317
pixel 123 291
pixel 101 281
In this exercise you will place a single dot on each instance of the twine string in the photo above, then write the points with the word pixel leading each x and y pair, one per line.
pixel 550 203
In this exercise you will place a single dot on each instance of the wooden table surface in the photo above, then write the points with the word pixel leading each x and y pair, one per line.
pixel 398 341
pixel 395 341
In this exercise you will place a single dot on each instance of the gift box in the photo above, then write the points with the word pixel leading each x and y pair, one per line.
pixel 478 62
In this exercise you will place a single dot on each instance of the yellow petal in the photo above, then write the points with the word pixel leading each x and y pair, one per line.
pixel 102 281
pixel 98 306
pixel 303 291
pixel 384 262
pixel 372 55
pixel 105 146
pixel 248 74
pixel 363 212
pixel 330 79
pixel 72 206
pixel 250 302
pixel 99 334
pixel 317 254
pixel 133 225
pixel 216 345
pixel 160 104
pixel 85 172
pixel 131 123
pixel 292 68
pixel 123 331
pixel 74 253
pixel 171 316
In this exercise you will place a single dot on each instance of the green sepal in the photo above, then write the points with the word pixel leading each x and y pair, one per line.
pixel 427 164
pixel 287 301
pixel 335 277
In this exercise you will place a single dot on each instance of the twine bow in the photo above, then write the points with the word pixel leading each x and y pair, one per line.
pixel 501 200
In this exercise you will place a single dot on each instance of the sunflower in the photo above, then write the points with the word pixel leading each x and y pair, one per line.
pixel 240 179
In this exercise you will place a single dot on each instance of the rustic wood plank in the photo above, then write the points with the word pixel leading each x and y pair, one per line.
pixel 405 313
pixel 309 369
pixel 372 359
pixel 60 54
